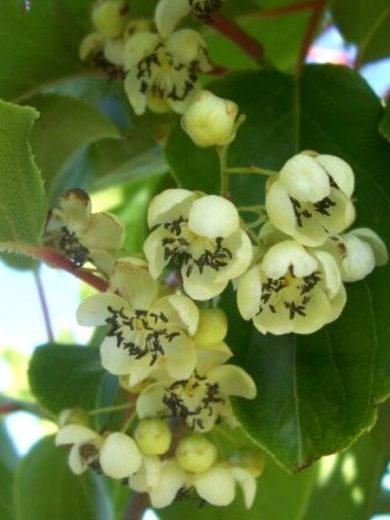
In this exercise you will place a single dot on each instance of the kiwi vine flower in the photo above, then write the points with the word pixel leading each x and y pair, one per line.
pixel 292 289
pixel 82 235
pixel 310 197
pixel 200 235
pixel 146 333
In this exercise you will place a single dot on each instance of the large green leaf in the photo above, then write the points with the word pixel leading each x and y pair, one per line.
pixel 45 488
pixel 366 23
pixel 8 461
pixel 22 198
pixel 317 393
pixel 39 45
pixel 384 126
pixel 65 376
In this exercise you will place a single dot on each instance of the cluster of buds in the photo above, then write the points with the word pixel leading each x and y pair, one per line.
pixel 160 65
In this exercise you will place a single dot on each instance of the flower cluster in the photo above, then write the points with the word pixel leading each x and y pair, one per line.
pixel 160 65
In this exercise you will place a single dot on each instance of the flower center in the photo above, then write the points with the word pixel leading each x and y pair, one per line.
pixel 140 332
pixel 196 400
pixel 72 247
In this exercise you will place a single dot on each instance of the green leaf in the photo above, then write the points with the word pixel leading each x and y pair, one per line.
pixel 46 488
pixel 384 127
pixel 316 393
pixel 8 461
pixel 40 45
pixel 65 125
pixel 65 376
pixel 366 23
pixel 22 197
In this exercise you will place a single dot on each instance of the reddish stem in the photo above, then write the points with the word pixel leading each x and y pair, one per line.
pixel 8 408
pixel 312 25
pixel 231 30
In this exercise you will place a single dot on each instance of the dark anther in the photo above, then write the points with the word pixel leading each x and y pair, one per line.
pixel 323 206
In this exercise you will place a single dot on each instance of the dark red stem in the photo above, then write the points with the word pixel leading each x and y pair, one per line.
pixel 314 20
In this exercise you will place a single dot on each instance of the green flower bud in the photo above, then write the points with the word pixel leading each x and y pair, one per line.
pixel 196 453
pixel 212 328
pixel 110 17
pixel 153 436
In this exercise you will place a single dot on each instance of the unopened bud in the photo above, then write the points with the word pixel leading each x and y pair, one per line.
pixel 212 328
pixel 210 120
pixel 110 16
pixel 250 459
pixel 153 436
pixel 196 453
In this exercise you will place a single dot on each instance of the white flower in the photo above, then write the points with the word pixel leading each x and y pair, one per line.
pixel 202 236
pixel 84 236
pixel 291 289
pixel 116 454
pixel 210 120
pixel 357 253
pixel 310 198
pixel 216 486
pixel 162 73
pixel 146 333
pixel 200 399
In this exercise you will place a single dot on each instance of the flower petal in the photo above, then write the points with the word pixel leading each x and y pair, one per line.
pixel 247 483
pixel 249 292
pixel 155 251
pixel 331 271
pixel 233 380
pixel 378 246
pixel 135 88
pixel 76 206
pixel 74 433
pixel 94 310
pixel 184 45
pixel 119 456
pixel 180 311
pixel 304 179
pixel 137 47
pixel 115 359
pixel 216 486
pixel 131 278
pixel 288 255
pixel 201 286
pixel 180 357
pixel 172 479
pixel 103 231
pixel 213 216
pixel 169 13
pixel 169 205
pixel 150 401
pixel 340 171
pixel 75 461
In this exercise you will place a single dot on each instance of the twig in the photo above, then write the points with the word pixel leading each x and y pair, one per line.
pixel 44 306
pixel 137 507
pixel 314 20
pixel 231 30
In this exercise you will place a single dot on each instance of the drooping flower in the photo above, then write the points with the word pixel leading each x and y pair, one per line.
pixel 202 398
pixel 292 289
pixel 357 253
pixel 310 198
pixel 82 235
pixel 210 120
pixel 146 333
pixel 115 454
pixel 199 234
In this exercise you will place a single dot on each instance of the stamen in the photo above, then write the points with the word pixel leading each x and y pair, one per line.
pixel 72 248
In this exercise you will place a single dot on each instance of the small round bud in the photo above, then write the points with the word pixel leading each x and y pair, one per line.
pixel 196 453
pixel 212 328
pixel 250 459
pixel 153 436
pixel 73 416
pixel 110 16
pixel 210 120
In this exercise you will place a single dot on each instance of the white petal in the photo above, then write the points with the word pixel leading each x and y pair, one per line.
pixel 304 179
pixel 279 208
pixel 331 271
pixel 154 251
pixel 233 380
pixel 165 202
pixel 201 286
pixel 131 278
pixel 169 13
pixel 213 216
pixel 180 357
pixel 249 293
pixel 75 461
pixel 179 310
pixel 172 479
pixel 242 256
pixel 378 246
pixel 211 357
pixel 103 231
pixel 184 45
pixel 150 402
pixel 247 483
pixel 140 370
pixel 153 470
pixel 114 359
pixel 94 310
pixel 340 171
pixel 119 456
pixel 75 433
pixel 134 88
pixel 216 486
pixel 103 260
pixel 76 206
pixel 138 46
pixel 288 254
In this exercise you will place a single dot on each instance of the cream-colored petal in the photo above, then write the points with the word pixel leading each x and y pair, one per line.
pixel 280 209
pixel 138 46
pixel 154 251
pixel 90 45
pixel 103 260
pixel 104 231
pixel 75 461
pixel 119 456
pixel 136 89
pixel 150 402
pixel 340 171
pixel 242 253
pixel 76 206
pixel 247 483
pixel 114 359
pixel 179 310
pixel 75 433
pixel 169 13
pixel 337 304
pixel 202 286
pixel 249 292
pixel 216 486
pixel 233 380
pixel 304 179
pixel 131 278
pixel 161 206
pixel 285 255
pixel 140 370
pixel 184 45
pixel 172 479
pixel 211 357
pixel 180 357
pixel 331 272
pixel 153 470
pixel 114 50
pixel 378 246
pixel 273 323
pixel 94 310
pixel 212 216
pixel 317 313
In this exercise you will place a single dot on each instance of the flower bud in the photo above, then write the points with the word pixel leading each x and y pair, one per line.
pixel 119 456
pixel 153 436
pixel 73 416
pixel 110 16
pixel 210 120
pixel 212 328
pixel 196 453
pixel 250 459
